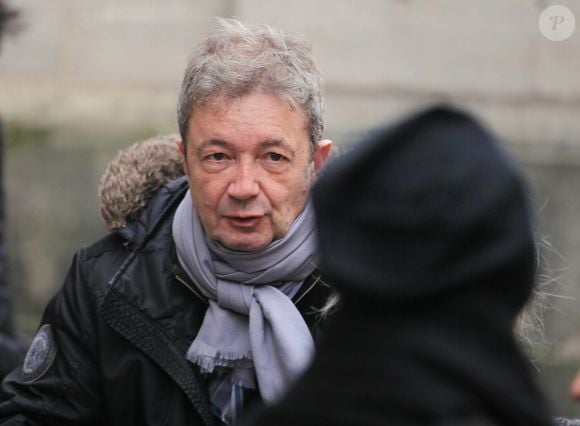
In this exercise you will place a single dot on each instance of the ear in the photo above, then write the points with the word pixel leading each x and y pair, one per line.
pixel 321 154
pixel 181 147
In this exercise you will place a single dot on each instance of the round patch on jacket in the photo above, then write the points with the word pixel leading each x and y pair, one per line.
pixel 40 355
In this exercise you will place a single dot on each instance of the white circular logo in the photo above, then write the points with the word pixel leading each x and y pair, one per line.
pixel 557 23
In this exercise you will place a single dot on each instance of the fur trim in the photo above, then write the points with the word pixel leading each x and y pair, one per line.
pixel 134 175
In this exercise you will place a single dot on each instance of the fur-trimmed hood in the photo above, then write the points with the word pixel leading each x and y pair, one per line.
pixel 134 175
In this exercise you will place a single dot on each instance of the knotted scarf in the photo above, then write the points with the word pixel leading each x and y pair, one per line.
pixel 251 324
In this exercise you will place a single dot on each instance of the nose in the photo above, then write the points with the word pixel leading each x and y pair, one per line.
pixel 244 184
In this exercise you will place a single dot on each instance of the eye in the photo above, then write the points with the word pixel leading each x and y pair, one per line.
pixel 275 157
pixel 217 156
pixel 275 162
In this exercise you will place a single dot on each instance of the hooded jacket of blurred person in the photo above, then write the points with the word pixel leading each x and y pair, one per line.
pixel 204 301
pixel 434 258
pixel 11 346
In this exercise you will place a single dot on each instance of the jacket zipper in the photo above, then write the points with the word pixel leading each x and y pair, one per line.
pixel 189 287
pixel 316 280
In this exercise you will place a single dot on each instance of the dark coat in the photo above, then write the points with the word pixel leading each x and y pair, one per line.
pixel 119 330
pixel 444 262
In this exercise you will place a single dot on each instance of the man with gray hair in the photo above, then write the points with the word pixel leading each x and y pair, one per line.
pixel 208 299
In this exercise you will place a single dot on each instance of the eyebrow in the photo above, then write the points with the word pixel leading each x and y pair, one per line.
pixel 211 142
pixel 278 142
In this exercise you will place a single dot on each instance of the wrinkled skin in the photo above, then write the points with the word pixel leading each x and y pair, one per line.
pixel 250 168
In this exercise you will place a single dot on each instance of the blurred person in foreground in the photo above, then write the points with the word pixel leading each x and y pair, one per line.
pixel 434 259
pixel 11 346
pixel 207 299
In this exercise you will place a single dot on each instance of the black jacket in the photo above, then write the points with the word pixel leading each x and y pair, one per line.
pixel 119 331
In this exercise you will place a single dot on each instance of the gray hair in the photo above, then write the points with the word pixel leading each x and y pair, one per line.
pixel 529 327
pixel 238 59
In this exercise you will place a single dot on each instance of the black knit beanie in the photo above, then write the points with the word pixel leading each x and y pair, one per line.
pixel 425 206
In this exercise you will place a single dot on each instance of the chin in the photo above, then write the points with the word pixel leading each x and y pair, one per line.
pixel 244 245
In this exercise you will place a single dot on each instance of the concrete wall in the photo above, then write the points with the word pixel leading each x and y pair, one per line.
pixel 121 62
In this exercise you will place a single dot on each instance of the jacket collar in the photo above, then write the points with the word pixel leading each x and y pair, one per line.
pixel 148 220
pixel 137 319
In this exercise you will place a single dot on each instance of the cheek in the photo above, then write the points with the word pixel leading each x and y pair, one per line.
pixel 204 192
pixel 304 182
pixel 311 175
pixel 294 194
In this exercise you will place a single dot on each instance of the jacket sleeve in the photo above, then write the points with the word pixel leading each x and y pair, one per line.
pixel 58 382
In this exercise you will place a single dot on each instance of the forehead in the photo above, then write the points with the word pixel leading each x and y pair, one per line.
pixel 255 115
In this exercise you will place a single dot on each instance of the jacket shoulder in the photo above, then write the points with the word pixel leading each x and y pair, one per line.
pixel 111 242
pixel 122 241
pixel 159 208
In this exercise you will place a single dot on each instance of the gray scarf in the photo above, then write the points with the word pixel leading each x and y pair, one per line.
pixel 251 325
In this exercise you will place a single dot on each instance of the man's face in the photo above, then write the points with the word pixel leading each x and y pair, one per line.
pixel 250 169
